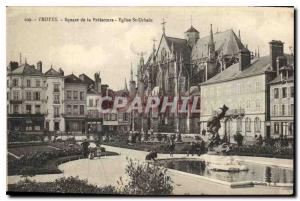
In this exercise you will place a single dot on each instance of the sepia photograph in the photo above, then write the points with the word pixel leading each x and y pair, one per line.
pixel 150 101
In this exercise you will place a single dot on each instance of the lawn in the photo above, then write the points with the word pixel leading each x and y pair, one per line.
pixel 42 159
pixel 27 150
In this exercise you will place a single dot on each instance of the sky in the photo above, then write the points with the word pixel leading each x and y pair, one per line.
pixel 111 47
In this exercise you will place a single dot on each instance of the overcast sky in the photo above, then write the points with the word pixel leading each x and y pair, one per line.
pixel 110 47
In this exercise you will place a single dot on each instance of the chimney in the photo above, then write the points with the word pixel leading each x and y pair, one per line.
pixel 244 59
pixel 276 50
pixel 280 62
pixel 61 72
pixel 39 66
pixel 97 82
pixel 13 65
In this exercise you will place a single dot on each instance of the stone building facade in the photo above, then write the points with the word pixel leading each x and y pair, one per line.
pixel 244 88
pixel 75 105
pixel 282 103
pixel 26 103
pixel 54 120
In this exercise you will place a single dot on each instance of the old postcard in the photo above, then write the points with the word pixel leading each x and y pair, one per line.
pixel 150 100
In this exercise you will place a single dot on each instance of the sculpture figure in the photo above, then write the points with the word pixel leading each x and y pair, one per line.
pixel 213 126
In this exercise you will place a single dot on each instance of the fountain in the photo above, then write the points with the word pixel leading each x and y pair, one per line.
pixel 216 146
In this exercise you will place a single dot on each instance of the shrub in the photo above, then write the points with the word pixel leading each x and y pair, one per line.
pixel 62 185
pixel 238 138
pixel 159 137
pixel 145 179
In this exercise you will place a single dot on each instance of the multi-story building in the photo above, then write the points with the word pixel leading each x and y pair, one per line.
pixel 282 103
pixel 54 120
pixel 243 87
pixel 75 105
pixel 26 98
pixel 94 119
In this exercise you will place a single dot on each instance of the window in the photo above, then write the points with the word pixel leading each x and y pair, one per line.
pixel 37 109
pixel 283 92
pixel 69 95
pixel 292 91
pixel 248 104
pixel 257 86
pixel 28 83
pixel 291 128
pixel 248 124
pixel 28 95
pixel 239 124
pixel 16 109
pixel 37 83
pixel 16 95
pixel 7 95
pixel 81 95
pixel 56 99
pixel 37 95
pixel 276 128
pixel 276 93
pixel 75 109
pixel 257 124
pixel 81 109
pixel 113 117
pixel 69 109
pixel 75 95
pixel 7 83
pixel 28 109
pixel 257 105
pixel 97 102
pixel 90 102
pixel 15 82
pixel 56 126
pixel 56 111
pixel 47 125
pixel 292 109
pixel 283 110
pixel 56 88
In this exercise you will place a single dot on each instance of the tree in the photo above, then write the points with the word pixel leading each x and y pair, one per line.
pixel 146 179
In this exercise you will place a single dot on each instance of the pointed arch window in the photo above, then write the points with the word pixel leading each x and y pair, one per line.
pixel 248 124
pixel 239 124
pixel 257 124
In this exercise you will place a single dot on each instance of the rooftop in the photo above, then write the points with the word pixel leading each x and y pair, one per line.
pixel 258 66
pixel 26 69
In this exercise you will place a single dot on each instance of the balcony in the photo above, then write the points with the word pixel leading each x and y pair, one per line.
pixel 56 91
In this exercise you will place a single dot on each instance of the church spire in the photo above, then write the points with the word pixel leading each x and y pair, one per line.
pixel 125 85
pixel 131 73
pixel 163 26
pixel 20 59
pixel 211 45
pixel 240 36
pixel 211 37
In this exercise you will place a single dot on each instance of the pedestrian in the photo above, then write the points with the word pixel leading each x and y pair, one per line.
pixel 192 148
pixel 203 132
pixel 171 148
pixel 85 148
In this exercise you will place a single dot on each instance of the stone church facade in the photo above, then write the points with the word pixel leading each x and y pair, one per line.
pixel 176 68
